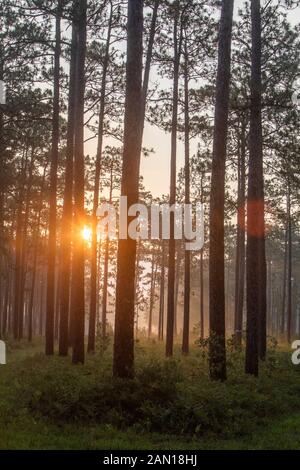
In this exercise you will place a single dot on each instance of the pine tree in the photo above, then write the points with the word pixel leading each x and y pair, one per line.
pixel 217 352
pixel 66 222
pixel 78 261
pixel 124 315
pixel 53 190
pixel 256 267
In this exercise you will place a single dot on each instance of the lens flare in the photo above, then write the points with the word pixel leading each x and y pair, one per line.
pixel 86 234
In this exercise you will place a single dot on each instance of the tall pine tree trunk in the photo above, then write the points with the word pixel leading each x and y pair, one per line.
pixel 18 248
pixel 105 269
pixel 171 267
pixel 217 352
pixel 32 291
pixel 240 247
pixel 34 264
pixel 152 293
pixel 256 277
pixel 23 247
pixel 78 261
pixel 50 299
pixel 105 289
pixel 6 304
pixel 282 323
pixel 201 268
pixel 201 295
pixel 177 283
pixel 289 268
pixel 94 248
pixel 123 362
pixel 66 223
pixel 149 58
pixel 187 257
pixel 162 295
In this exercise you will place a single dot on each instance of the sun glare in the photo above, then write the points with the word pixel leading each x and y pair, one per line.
pixel 87 234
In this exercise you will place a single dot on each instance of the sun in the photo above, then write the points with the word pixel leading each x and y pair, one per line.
pixel 86 233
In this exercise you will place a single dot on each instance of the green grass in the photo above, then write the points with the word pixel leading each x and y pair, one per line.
pixel 38 434
pixel 46 403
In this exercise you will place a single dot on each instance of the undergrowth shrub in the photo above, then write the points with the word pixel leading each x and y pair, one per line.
pixel 165 396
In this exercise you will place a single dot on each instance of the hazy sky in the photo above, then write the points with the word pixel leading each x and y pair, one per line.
pixel 155 168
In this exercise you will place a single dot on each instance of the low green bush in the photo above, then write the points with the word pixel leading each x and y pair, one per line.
pixel 166 396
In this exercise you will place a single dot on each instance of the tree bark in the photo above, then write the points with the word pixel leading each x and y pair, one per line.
pixel 123 362
pixel 23 247
pixel 201 267
pixel 105 269
pixel 50 296
pixel 289 268
pixel 177 283
pixel 94 248
pixel 34 264
pixel 217 350
pixel 78 264
pixel 18 248
pixel 149 57
pixel 162 295
pixel 66 223
pixel 240 250
pixel 171 267
pixel 187 257
pixel 152 294
pixel 282 324
pixel 256 276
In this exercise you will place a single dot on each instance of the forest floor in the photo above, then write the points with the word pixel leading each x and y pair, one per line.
pixel 47 403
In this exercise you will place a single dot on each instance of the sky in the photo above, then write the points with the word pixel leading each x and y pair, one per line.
pixel 155 167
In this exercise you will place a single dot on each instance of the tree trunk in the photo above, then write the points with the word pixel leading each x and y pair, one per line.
pixel 123 362
pixel 78 264
pixel 50 298
pixel 171 268
pixel 201 296
pixel 136 284
pixel 94 248
pixel 187 257
pixel 263 301
pixel 78 254
pixel 66 223
pixel 177 283
pixel 105 288
pixel 34 265
pixel 217 353
pixel 256 277
pixel 152 293
pixel 98 286
pixel 149 58
pixel 56 308
pixel 6 304
pixel 18 248
pixel 41 318
pixel 105 269
pixel 32 292
pixel 282 325
pixel 23 249
pixel 240 250
pixel 2 186
pixel 271 319
pixel 201 272
pixel 162 295
pixel 289 268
